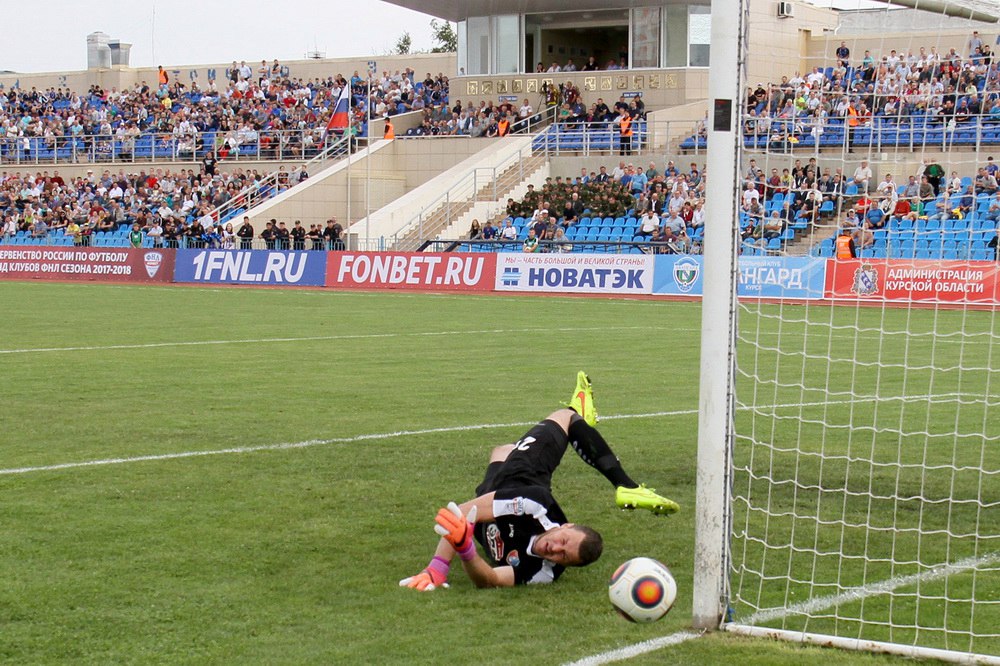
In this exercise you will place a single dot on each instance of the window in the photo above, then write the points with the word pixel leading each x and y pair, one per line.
pixel 646 37
pixel 463 49
pixel 508 44
pixel 477 45
pixel 675 23
pixel 699 34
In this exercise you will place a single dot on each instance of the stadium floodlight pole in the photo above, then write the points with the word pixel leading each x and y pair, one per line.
pixel 718 323
pixel 368 165
pixel 350 157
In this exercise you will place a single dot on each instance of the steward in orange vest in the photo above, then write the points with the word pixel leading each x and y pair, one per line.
pixel 503 127
pixel 625 127
pixel 390 131
pixel 845 245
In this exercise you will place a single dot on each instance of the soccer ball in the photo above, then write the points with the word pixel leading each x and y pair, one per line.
pixel 642 590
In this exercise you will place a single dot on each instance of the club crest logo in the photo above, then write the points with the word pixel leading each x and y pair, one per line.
pixel 686 272
pixel 152 261
pixel 865 280
pixel 513 559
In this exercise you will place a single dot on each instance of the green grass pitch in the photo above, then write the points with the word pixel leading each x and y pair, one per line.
pixel 292 555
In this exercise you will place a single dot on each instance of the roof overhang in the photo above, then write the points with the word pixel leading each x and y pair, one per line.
pixel 459 11
pixel 976 10
pixel 987 11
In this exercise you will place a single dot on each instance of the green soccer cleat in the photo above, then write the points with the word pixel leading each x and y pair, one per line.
pixel 583 399
pixel 645 498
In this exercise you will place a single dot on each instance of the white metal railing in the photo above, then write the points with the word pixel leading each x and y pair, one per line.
pixel 876 134
pixel 276 182
pixel 164 147
pixel 532 124
pixel 89 237
pixel 479 184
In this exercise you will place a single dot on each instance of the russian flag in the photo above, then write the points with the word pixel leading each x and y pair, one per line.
pixel 341 116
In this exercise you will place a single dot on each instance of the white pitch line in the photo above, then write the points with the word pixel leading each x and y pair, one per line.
pixel 808 606
pixel 309 443
pixel 357 336
pixel 871 589
pixel 636 649
pixel 386 435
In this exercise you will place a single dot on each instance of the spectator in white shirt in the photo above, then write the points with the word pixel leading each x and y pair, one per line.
pixel 862 176
pixel 887 189
pixel 509 232
pixel 750 195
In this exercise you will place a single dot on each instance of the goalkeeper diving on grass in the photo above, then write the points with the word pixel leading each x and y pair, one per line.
pixel 514 516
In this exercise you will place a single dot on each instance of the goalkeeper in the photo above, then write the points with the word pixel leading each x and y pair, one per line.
pixel 520 526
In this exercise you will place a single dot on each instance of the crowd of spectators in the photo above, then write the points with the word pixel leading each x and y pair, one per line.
pixel 591 65
pixel 261 106
pixel 263 112
pixel 249 106
pixel 165 204
pixel 945 88
pixel 860 203
pixel 664 208
pixel 491 119
pixel 929 197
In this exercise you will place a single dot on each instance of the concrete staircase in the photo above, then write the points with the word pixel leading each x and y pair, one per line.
pixel 450 215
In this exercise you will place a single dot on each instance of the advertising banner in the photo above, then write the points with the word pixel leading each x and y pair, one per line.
pixel 575 273
pixel 759 277
pixel 121 264
pixel 914 281
pixel 782 277
pixel 270 267
pixel 411 270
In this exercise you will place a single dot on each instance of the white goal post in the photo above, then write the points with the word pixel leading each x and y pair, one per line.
pixel 848 468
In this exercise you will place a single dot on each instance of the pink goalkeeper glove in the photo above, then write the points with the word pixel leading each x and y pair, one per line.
pixel 431 578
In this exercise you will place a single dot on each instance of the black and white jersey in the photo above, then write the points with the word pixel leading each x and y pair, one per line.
pixel 521 514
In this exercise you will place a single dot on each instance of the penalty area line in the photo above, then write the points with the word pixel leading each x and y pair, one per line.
pixel 304 444
pixel 315 338
pixel 284 446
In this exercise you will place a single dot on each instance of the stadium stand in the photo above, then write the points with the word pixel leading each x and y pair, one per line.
pixel 264 117
pixel 913 101
pixel 100 209
pixel 925 99
pixel 628 210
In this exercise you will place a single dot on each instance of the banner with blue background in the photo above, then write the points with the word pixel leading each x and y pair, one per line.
pixel 760 277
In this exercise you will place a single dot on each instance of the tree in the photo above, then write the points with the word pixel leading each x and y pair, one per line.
pixel 444 34
pixel 403 44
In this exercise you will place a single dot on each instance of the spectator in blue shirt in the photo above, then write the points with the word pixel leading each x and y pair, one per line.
pixel 638 182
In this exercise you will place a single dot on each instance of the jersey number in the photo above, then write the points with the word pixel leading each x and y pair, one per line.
pixel 524 444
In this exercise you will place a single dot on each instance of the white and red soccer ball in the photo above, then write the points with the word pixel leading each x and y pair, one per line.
pixel 642 590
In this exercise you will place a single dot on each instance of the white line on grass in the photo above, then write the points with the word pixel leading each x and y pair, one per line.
pixel 383 435
pixel 809 606
pixel 636 649
pixel 306 444
pixel 358 336
pixel 872 589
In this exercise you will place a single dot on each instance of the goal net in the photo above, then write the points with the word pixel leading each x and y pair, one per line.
pixel 864 506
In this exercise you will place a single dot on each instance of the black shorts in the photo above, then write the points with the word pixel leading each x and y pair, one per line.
pixel 532 462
